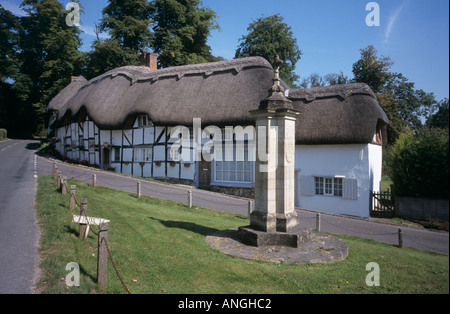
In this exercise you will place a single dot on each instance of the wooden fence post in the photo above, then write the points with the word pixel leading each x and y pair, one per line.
pixel 138 189
pixel 190 198
pixel 318 221
pixel 58 181
pixel 72 197
pixel 54 170
pixel 400 238
pixel 83 212
pixel 249 208
pixel 94 180
pixel 102 263
pixel 63 185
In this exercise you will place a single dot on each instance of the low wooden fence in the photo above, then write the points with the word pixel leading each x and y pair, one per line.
pixel 421 208
pixel 385 204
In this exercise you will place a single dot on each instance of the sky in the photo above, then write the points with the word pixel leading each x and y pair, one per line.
pixel 330 33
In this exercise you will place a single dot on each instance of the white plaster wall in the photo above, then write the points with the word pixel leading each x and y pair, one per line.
pixel 173 171
pixel 149 135
pixel 187 172
pixel 116 138
pixel 159 153
pixel 159 171
pixel 126 169
pixel 375 164
pixel 138 136
pixel 349 161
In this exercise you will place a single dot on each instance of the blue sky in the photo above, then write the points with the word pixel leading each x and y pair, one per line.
pixel 330 33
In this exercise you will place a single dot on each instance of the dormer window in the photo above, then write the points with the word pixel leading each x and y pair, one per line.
pixel 142 121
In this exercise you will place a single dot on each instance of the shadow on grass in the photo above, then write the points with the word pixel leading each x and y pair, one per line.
pixel 190 226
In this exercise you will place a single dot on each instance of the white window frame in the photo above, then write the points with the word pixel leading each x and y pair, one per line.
pixel 143 154
pixel 328 186
pixel 233 172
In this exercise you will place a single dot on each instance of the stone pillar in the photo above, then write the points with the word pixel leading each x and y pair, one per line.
pixel 274 171
pixel 274 215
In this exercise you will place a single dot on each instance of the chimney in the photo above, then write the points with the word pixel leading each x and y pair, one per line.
pixel 73 78
pixel 149 60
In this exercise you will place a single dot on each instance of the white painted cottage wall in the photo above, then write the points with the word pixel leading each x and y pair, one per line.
pixel 352 161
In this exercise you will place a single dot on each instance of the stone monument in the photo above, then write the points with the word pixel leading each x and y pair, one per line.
pixel 274 233
pixel 274 220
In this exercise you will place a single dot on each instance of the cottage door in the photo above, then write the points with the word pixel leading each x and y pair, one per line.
pixel 106 159
pixel 204 174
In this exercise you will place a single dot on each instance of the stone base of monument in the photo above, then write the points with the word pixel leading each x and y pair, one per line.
pixel 294 238
pixel 300 246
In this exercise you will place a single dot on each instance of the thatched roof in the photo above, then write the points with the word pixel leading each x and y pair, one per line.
pixel 220 93
pixel 347 113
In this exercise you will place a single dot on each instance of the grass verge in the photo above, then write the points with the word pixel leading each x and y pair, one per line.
pixel 159 246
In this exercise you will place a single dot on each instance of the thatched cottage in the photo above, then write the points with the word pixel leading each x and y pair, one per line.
pixel 122 121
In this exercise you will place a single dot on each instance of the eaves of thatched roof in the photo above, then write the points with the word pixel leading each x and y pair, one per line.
pixel 220 93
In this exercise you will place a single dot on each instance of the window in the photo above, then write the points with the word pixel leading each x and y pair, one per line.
pixel 234 171
pixel 328 186
pixel 142 154
pixel 142 121
pixel 116 154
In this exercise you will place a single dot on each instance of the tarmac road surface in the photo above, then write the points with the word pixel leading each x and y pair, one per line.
pixel 19 235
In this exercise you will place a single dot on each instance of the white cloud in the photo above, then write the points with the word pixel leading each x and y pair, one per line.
pixel 391 22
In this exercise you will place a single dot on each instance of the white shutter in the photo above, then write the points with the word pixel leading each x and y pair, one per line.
pixel 307 185
pixel 350 189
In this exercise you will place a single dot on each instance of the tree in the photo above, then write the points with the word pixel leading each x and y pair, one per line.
pixel 419 163
pixel 313 80
pixel 106 55
pixel 182 28
pixel 9 44
pixel 440 119
pixel 267 37
pixel 371 69
pixel 405 106
pixel 128 22
pixel 40 55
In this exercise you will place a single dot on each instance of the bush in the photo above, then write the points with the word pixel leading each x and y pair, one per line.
pixel 419 164
pixel 3 133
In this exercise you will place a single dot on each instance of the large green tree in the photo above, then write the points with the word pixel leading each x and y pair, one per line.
pixel 9 44
pixel 128 22
pixel 128 25
pixel 372 69
pixel 182 28
pixel 49 52
pixel 268 37
pixel 405 106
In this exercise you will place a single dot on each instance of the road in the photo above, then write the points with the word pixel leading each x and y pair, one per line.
pixel 19 235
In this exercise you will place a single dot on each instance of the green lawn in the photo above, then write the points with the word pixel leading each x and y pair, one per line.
pixel 159 246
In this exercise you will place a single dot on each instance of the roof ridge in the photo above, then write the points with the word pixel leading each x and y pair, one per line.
pixel 341 90
pixel 142 73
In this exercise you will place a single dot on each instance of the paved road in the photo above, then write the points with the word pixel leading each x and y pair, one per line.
pixel 19 234
pixel 365 228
